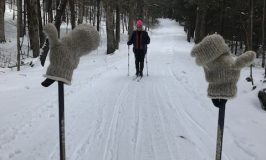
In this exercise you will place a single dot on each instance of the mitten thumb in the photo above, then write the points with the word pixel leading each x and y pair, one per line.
pixel 52 34
pixel 245 59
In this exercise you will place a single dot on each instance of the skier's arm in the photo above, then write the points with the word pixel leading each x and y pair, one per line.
pixel 147 39
pixel 132 39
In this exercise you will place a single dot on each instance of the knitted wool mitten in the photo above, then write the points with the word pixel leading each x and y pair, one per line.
pixel 66 52
pixel 222 71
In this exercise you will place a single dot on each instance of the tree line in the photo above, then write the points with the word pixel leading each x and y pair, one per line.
pixel 32 15
pixel 241 23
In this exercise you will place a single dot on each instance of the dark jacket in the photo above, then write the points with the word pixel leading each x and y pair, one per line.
pixel 139 39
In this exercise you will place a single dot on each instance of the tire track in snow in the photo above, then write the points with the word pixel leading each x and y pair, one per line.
pixel 108 153
pixel 145 146
pixel 163 139
pixel 181 133
pixel 89 139
pixel 159 112
pixel 189 119
pixel 159 141
pixel 188 116
pixel 9 135
pixel 185 118
pixel 135 140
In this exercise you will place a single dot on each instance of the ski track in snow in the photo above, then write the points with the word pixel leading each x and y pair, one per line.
pixel 109 116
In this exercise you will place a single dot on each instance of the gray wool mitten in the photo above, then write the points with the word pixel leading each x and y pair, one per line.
pixel 66 52
pixel 222 71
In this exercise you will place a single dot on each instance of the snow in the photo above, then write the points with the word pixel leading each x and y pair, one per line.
pixel 110 116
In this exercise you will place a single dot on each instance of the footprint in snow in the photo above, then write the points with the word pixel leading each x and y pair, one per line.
pixel 11 155
pixel 27 87
pixel 23 75
pixel 17 151
pixel 51 115
pixel 183 137
pixel 244 91
pixel 186 139
pixel 50 106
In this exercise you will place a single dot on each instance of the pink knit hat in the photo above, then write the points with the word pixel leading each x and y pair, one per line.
pixel 139 23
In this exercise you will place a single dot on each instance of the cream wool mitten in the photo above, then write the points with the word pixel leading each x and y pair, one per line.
pixel 66 52
pixel 222 71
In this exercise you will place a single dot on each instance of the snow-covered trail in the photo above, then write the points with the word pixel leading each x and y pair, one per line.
pixel 110 116
pixel 138 120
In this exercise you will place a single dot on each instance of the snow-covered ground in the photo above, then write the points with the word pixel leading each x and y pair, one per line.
pixel 110 116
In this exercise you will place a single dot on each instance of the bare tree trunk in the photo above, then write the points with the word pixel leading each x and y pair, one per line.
pixel 67 13
pixel 125 23
pixel 57 2
pixel 98 14
pixel 222 3
pixel 250 37
pixel 90 10
pixel 94 17
pixel 33 26
pixel 19 16
pixel 44 7
pixel 14 11
pixel 197 28
pixel 81 12
pixel 86 14
pixel 50 10
pixel 72 13
pixel 2 22
pixel 200 30
pixel 59 12
pixel 236 46
pixel 117 31
pixel 130 19
pixel 42 36
pixel 24 17
pixel 140 11
pixel 122 21
pixel 19 31
pixel 263 33
pixel 110 28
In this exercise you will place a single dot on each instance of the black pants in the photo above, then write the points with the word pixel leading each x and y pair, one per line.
pixel 139 60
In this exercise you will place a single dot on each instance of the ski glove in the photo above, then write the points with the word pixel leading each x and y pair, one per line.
pixel 66 52
pixel 222 71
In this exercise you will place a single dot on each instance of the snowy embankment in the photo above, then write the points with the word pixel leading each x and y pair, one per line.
pixel 165 116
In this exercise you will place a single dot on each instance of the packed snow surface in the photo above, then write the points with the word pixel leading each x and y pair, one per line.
pixel 110 116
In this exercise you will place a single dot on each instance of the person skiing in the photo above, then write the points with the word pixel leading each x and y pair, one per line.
pixel 139 39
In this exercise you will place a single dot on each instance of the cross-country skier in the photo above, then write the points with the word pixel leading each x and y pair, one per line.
pixel 139 39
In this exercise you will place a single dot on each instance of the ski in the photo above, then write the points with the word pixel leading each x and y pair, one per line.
pixel 139 78
pixel 135 78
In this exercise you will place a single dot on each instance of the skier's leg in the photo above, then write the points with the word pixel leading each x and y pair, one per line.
pixel 141 68
pixel 137 64
pixel 142 56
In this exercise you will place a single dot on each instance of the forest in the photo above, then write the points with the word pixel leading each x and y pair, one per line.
pixel 242 23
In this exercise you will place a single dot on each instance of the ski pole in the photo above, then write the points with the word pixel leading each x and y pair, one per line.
pixel 220 103
pixel 147 64
pixel 128 62
pixel 61 120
